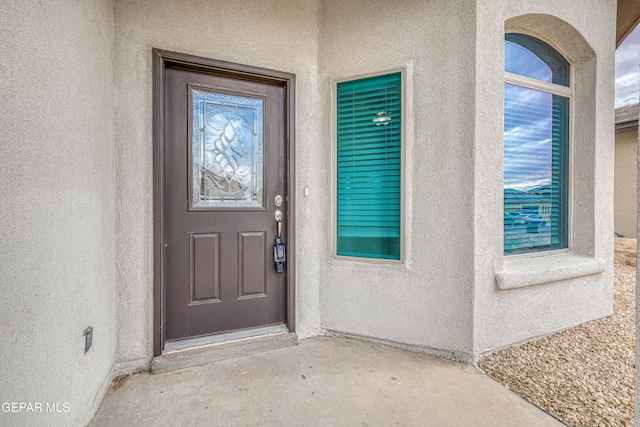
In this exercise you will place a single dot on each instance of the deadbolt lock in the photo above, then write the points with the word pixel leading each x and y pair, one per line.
pixel 278 200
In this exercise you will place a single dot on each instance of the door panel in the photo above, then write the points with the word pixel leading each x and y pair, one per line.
pixel 251 268
pixel 205 267
pixel 225 162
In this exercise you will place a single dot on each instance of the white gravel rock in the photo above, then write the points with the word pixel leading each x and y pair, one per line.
pixel 583 376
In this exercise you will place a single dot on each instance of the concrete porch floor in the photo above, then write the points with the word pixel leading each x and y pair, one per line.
pixel 323 381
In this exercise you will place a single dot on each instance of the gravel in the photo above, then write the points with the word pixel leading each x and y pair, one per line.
pixel 583 376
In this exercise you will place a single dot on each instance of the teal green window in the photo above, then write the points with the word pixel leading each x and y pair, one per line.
pixel 369 162
pixel 536 146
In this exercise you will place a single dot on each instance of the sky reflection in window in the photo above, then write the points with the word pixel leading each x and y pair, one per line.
pixel 536 130
pixel 519 60
pixel 527 138
pixel 546 64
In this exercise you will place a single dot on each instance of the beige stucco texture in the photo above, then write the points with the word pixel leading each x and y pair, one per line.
pixel 582 288
pixel 58 199
pixel 444 297
pixel 426 302
pixel 279 35
pixel 626 184
pixel 76 166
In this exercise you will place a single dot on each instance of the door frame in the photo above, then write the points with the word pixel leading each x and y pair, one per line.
pixel 163 59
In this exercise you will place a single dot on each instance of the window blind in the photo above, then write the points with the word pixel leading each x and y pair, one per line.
pixel 368 167
pixel 536 163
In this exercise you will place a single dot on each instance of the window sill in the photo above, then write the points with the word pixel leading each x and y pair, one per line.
pixel 523 272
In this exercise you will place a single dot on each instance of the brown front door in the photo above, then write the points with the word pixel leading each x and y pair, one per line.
pixel 224 176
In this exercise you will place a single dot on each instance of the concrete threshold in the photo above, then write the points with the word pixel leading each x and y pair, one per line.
pixel 226 346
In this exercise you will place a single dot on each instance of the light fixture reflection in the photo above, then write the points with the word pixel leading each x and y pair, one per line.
pixel 383 119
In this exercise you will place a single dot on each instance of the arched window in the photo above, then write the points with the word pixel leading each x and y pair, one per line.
pixel 537 96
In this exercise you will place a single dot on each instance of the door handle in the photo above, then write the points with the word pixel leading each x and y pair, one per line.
pixel 278 218
pixel 279 248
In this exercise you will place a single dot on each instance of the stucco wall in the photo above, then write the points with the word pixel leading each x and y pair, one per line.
pixel 76 173
pixel 626 184
pixel 57 192
pixel 443 298
pixel 432 291
pixel 427 301
pixel 585 33
pixel 281 35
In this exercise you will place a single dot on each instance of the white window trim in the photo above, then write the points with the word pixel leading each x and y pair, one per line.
pixel 569 92
pixel 334 167
pixel 532 83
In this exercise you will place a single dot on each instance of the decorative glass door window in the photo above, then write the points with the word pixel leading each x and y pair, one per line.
pixel 227 150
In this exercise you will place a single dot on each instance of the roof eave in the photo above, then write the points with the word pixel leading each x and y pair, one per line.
pixel 627 18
